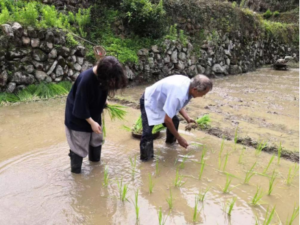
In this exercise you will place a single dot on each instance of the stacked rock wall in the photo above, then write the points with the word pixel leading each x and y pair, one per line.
pixel 29 56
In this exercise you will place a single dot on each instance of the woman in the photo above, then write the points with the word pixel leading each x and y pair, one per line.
pixel 85 104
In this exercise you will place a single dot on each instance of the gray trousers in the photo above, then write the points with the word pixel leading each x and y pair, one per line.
pixel 79 141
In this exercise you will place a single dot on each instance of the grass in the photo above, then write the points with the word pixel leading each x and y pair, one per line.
pixel 230 206
pixel 201 169
pixel 249 174
pixel 133 166
pixel 271 160
pixel 290 176
pixel 279 153
pixel 269 216
pixel 204 151
pixel 136 206
pixel 258 195
pixel 151 184
pixel 291 219
pixel 271 182
pixel 106 177
pixel 156 165
pixel 123 190
pixel 178 182
pixel 170 200
pixel 260 147
pixel 241 156
pixel 196 213
pixel 202 195
pixel 227 184
pixel 161 218
pixel 220 153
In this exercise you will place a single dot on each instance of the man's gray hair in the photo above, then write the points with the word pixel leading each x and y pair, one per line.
pixel 201 83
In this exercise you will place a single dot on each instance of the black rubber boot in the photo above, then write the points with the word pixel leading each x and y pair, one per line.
pixel 95 153
pixel 76 162
pixel 170 137
pixel 146 150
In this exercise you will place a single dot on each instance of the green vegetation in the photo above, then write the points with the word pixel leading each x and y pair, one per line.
pixel 37 91
pixel 257 197
pixel 151 184
pixel 225 163
pixel 196 213
pixel 276 14
pixel 291 219
pixel 116 111
pixel 136 206
pixel 181 166
pixel 260 147
pixel 133 166
pixel 202 194
pixel 230 206
pixel 271 160
pixel 123 189
pixel 178 182
pixel 269 216
pixel 268 14
pixel 279 153
pixel 161 218
pixel 138 127
pixel 271 182
pixel 242 155
pixel 249 174
pixel 204 121
pixel 292 174
pixel 227 184
pixel 170 200
pixel 220 153
pixel 174 35
pixel 201 169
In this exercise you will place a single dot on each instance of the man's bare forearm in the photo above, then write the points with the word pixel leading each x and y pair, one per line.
pixel 184 114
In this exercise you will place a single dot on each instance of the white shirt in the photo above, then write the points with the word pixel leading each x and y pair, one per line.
pixel 166 96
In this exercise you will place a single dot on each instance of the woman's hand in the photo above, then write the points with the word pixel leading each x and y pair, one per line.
pixel 96 128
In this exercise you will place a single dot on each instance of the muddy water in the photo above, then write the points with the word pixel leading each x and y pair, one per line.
pixel 36 186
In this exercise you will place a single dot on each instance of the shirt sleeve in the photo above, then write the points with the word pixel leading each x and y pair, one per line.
pixel 171 105
pixel 81 101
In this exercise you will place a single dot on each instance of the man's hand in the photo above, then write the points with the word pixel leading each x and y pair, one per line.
pixel 189 120
pixel 96 128
pixel 182 142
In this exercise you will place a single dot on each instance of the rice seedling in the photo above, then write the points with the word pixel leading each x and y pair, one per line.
pixel 271 182
pixel 170 200
pixel 158 128
pixel 202 195
pixel 116 111
pixel 230 206
pixel 151 184
pixel 291 175
pixel 156 165
pixel 201 169
pixel 181 166
pixel 196 213
pixel 258 195
pixel 271 160
pixel 249 174
pixel 138 126
pixel 242 155
pixel 291 219
pixel 161 218
pixel 178 182
pixel 123 189
pixel 103 125
pixel 136 206
pixel 133 166
pixel 204 121
pixel 225 163
pixel 260 147
pixel 227 184
pixel 269 216
pixel 204 151
pixel 279 153
pixel 106 177
pixel 220 153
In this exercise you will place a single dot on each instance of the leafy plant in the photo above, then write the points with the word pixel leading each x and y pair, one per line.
pixel 267 14
pixel 136 206
pixel 257 197
pixel 260 147
pixel 161 218
pixel 269 216
pixel 196 213
pixel 123 189
pixel 220 153
pixel 178 182
pixel 116 111
pixel 230 206
pixel 271 160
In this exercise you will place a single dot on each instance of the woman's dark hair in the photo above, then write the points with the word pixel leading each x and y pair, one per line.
pixel 111 75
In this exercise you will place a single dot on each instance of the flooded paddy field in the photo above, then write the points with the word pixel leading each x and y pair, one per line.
pixel 36 186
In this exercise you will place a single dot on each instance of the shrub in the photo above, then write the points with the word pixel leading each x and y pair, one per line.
pixel 276 14
pixel 267 14
pixel 143 17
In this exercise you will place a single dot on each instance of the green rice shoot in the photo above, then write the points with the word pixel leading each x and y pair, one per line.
pixel 271 182
pixel 204 121
pixel 201 169
pixel 151 184
pixel 220 153
pixel 196 213
pixel 202 194
pixel 133 166
pixel 123 189
pixel 242 155
pixel 271 160
pixel 269 216
pixel 249 174
pixel 181 166
pixel 225 163
pixel 279 153
pixel 227 185
pixel 136 205
pixel 295 214
pixel 116 111
pixel 161 218
pixel 291 174
pixel 230 206
pixel 260 147
pixel 258 195
pixel 178 182
pixel 170 200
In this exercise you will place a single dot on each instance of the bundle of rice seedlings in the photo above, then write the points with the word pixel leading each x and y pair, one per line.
pixel 158 128
pixel 67 85
pixel 8 97
pixel 203 121
pixel 138 127
pixel 46 91
pixel 116 111
pixel 25 96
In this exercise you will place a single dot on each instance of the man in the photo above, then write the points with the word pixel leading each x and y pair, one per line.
pixel 162 101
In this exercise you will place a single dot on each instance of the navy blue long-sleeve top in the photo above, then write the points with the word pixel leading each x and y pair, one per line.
pixel 86 99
